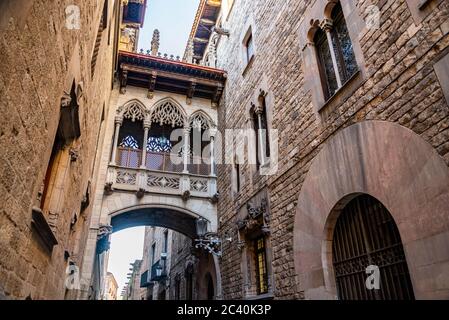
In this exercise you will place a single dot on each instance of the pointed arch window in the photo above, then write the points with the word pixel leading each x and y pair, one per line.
pixel 335 54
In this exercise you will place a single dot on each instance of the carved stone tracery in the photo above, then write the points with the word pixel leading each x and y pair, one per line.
pixel 167 113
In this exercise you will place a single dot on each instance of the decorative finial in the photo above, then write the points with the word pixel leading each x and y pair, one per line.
pixel 190 51
pixel 155 42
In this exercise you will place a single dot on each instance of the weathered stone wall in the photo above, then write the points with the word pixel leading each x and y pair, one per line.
pixel 41 59
pixel 400 85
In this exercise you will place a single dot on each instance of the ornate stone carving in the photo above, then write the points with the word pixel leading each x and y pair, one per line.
pixel 126 177
pixel 103 243
pixel 326 25
pixel 134 111
pixel 199 121
pixel 140 193
pixel 123 81
pixel 257 218
pixel 155 42
pixel 163 182
pixel 74 154
pixel 167 113
pixel 214 199
pixel 108 188
pixel 190 52
pixel 199 185
pixel 186 195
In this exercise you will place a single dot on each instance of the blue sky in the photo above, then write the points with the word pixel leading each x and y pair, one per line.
pixel 174 19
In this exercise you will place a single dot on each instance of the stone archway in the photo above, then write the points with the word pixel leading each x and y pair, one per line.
pixel 402 171
pixel 155 215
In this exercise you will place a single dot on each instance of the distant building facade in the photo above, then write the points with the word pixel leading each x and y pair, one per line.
pixel 111 287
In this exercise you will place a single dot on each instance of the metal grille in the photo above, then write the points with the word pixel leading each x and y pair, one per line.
pixel 128 157
pixel 366 234
pixel 162 161
pixel 199 166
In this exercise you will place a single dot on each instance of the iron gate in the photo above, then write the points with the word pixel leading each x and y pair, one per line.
pixel 366 234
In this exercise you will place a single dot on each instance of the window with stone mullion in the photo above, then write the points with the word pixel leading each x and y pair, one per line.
pixel 343 46
pixel 327 71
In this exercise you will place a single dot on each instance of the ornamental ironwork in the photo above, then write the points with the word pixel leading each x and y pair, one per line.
pixel 366 235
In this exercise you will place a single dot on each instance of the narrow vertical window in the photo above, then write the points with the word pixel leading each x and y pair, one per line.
pixel 237 176
pixel 343 45
pixel 261 266
pixel 165 241
pixel 189 286
pixel 262 135
pixel 327 72
pixel 249 48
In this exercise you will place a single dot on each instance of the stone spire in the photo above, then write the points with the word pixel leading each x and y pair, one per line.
pixel 155 43
pixel 190 51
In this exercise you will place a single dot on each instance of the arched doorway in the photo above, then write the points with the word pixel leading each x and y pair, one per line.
pixel 403 172
pixel 365 235
pixel 210 287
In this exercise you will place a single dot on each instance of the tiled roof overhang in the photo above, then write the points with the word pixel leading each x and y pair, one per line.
pixel 155 73
pixel 134 12
pixel 206 18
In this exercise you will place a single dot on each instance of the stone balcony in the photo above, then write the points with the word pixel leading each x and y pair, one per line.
pixel 161 175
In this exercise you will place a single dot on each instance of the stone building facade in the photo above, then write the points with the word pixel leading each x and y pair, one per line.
pixel 55 83
pixel 374 132
pixel 339 166
pixel 111 287
pixel 157 248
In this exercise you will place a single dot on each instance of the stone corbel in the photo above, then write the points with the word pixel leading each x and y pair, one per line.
pixel 103 243
pixel 108 188
pixel 123 81
pixel 140 193
pixel 185 195
pixel 74 154
pixel 217 96
pixel 152 85
pixel 214 199
pixel 190 92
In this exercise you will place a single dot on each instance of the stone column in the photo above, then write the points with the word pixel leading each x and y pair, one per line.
pixel 213 132
pixel 118 124
pixel 327 25
pixel 146 128
pixel 186 148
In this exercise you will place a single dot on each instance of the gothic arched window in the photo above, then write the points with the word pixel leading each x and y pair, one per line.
pixel 129 142
pixel 335 52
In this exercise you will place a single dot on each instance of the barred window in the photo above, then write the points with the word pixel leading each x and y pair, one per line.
pixel 327 72
pixel 261 266
pixel 343 45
